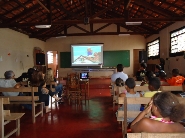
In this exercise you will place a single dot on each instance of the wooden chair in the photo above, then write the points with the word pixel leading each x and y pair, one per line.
pixel 6 117
pixel 121 116
pixel 73 87
pixel 155 135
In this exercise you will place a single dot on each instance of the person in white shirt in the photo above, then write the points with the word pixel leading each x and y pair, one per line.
pixel 9 82
pixel 119 74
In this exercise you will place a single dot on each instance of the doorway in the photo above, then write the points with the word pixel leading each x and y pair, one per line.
pixel 136 60
pixel 52 61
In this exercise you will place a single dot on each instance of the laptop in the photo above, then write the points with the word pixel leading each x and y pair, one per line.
pixel 84 76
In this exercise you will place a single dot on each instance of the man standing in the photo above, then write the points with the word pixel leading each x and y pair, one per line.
pixel 119 74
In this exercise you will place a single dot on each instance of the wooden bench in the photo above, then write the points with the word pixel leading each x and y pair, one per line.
pixel 138 83
pixel 6 117
pixel 171 88
pixel 34 100
pixel 121 116
pixel 155 135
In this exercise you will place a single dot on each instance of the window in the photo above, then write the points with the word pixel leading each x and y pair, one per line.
pixel 177 42
pixel 50 57
pixel 153 49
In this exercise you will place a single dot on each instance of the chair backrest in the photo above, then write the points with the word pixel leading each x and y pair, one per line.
pixel 171 88
pixel 121 89
pixel 163 83
pixel 141 88
pixel 73 81
pixel 155 135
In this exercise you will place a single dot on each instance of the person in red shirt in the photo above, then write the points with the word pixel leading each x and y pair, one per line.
pixel 176 79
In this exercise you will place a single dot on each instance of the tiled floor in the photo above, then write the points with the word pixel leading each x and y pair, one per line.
pixel 93 119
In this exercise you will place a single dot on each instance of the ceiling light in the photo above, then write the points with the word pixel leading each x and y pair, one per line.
pixel 133 23
pixel 123 34
pixel 60 36
pixel 42 26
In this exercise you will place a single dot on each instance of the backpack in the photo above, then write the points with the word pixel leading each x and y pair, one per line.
pixel 119 82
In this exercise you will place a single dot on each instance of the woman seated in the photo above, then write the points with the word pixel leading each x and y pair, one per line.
pixel 49 79
pixel 162 77
pixel 166 114
pixel 38 81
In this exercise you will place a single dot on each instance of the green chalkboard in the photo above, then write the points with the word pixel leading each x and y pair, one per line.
pixel 110 58
pixel 65 59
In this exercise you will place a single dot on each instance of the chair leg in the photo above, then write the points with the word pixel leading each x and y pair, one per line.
pixel 18 127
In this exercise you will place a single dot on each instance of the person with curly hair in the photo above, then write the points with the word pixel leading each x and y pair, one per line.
pixel 38 80
pixel 166 113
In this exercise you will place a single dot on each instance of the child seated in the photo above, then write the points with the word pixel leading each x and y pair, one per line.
pixel 129 86
pixel 153 86
pixel 166 111
pixel 176 79
pixel 162 77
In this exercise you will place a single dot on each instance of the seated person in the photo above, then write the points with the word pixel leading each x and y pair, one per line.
pixel 129 86
pixel 119 82
pixel 148 75
pixel 176 79
pixel 119 74
pixel 26 76
pixel 166 114
pixel 58 87
pixel 9 82
pixel 140 74
pixel 162 77
pixel 158 69
pixel 153 86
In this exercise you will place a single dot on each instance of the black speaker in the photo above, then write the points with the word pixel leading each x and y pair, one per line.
pixel 40 59
pixel 142 56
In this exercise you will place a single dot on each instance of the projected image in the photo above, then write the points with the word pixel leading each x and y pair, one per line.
pixel 86 55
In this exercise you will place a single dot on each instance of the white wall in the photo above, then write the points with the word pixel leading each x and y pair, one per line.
pixel 172 62
pixel 111 43
pixel 18 46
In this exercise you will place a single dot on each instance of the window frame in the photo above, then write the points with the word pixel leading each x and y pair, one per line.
pixel 176 36
pixel 147 48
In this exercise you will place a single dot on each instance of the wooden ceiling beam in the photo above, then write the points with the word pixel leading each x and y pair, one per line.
pixel 117 3
pixel 90 33
pixel 127 3
pixel 113 20
pixel 82 29
pixel 42 5
pixel 49 15
pixel 154 8
pixel 61 7
pixel 26 11
pixel 104 26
